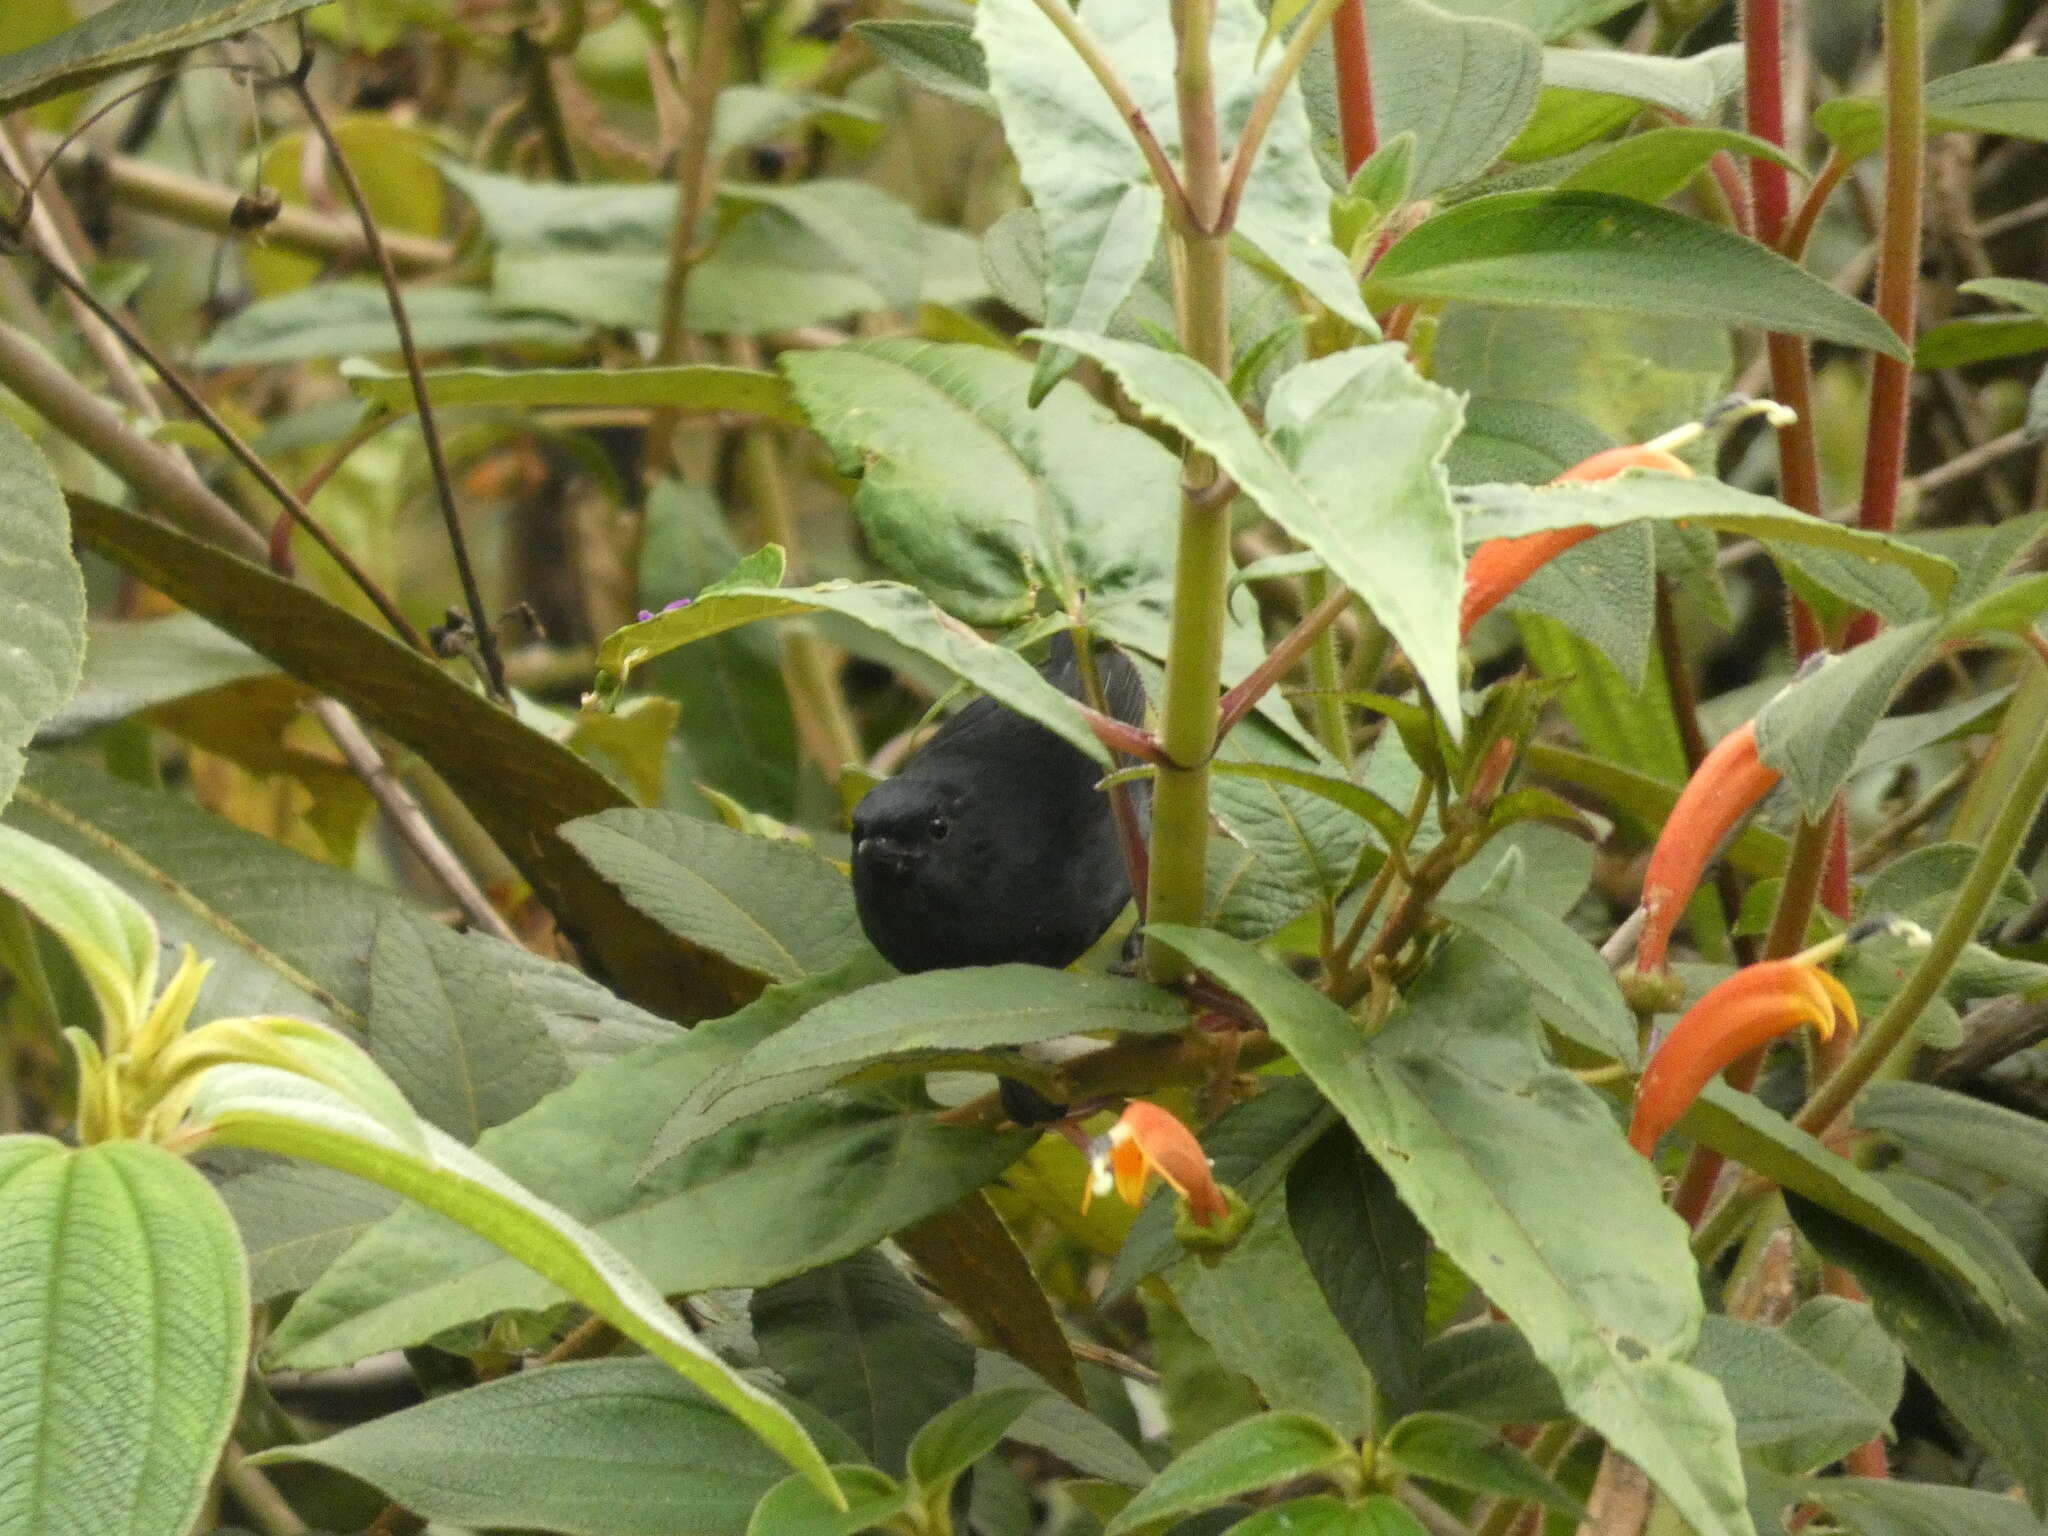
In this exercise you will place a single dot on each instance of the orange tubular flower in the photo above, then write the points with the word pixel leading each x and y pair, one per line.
pixel 1729 783
pixel 1754 1006
pixel 1499 566
pixel 1146 1140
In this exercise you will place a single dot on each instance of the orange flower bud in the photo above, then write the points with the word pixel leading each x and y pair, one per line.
pixel 1146 1140
pixel 1727 786
pixel 1754 1006
pixel 1499 566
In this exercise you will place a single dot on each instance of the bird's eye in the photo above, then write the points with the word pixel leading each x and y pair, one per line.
pixel 938 827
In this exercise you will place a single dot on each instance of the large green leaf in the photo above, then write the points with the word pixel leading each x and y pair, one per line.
pixel 296 1219
pixel 797 1187
pixel 941 56
pixel 1998 1141
pixel 900 613
pixel 42 599
pixel 1255 1453
pixel 1786 1400
pixel 1652 166
pixel 1463 85
pixel 520 783
pixel 135 664
pixel 273 1111
pixel 2006 96
pixel 1354 470
pixel 860 1342
pixel 1076 1436
pixel 1579 996
pixel 767 904
pixel 692 387
pixel 959 1018
pixel 1986 1362
pixel 1546 18
pixel 1594 250
pixel 124 1325
pixel 977 497
pixel 1464 1453
pixel 1871 1506
pixel 1691 86
pixel 628 1448
pixel 335 319
pixel 124 35
pixel 1813 731
pixel 286 934
pixel 1520 1174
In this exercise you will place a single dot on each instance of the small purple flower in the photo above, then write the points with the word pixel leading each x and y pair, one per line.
pixel 646 614
pixel 681 602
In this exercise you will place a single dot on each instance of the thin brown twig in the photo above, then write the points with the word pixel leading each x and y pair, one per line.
pixel 430 431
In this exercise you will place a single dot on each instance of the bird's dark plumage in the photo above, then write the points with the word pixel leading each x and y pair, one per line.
pixel 993 844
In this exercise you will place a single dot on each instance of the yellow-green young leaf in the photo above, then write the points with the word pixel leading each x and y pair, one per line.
pixel 308 1050
pixel 42 600
pixel 1595 250
pixel 695 387
pixel 281 1112
pixel 124 1331
pixel 960 1435
pixel 111 938
pixel 124 35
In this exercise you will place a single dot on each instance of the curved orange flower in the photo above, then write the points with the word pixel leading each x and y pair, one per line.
pixel 1754 1006
pixel 1499 566
pixel 1730 782
pixel 1146 1140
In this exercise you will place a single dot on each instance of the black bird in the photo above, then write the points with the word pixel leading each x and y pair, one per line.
pixel 993 844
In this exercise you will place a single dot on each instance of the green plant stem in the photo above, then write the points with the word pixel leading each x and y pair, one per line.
pixel 1994 859
pixel 1325 670
pixel 266 1508
pixel 1194 660
pixel 718 23
pixel 430 432
pixel 535 62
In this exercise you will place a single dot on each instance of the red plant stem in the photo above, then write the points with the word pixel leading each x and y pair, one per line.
pixel 1898 274
pixel 1763 58
pixel 1729 178
pixel 1354 84
pixel 1832 170
pixel 1241 700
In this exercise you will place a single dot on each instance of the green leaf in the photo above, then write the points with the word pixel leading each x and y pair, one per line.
pixel 1787 1402
pixel 769 905
pixel 901 613
pixel 124 35
pixel 1692 86
pixel 967 1254
pixel 1354 470
pixel 694 387
pixel 1517 1171
pixel 297 1219
pixel 1871 1506
pixel 953 1018
pixel 1922 885
pixel 1488 1372
pixel 856 1172
pixel 1509 511
pixel 286 934
pixel 1252 1454
pixel 794 1507
pixel 134 664
pixel 629 1448
pixel 1979 339
pixel 456 1028
pixel 2007 96
pixel 1464 86
pixel 1322 1515
pixel 1966 1131
pixel 1463 1453
pixel 859 1341
pixel 1548 19
pixel 42 597
pixel 1983 1361
pixel 1368 1255
pixel 960 1435
pixel 1652 166
pixel 1812 731
pixel 979 498
pixel 1594 250
pixel 274 1111
pixel 1053 1424
pixel 1368 807
pixel 941 56
pixel 871 233
pixel 1262 1310
pixel 520 784
pixel 336 319
pixel 1755 851
pixel 124 1324
pixel 1741 1127
pixel 2019 292
pixel 1579 995
pixel 105 931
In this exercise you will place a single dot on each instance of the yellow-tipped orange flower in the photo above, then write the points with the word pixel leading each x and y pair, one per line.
pixel 1499 566
pixel 1727 786
pixel 1146 1140
pixel 1751 1008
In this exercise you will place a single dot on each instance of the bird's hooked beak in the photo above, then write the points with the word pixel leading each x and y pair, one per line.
pixel 887 857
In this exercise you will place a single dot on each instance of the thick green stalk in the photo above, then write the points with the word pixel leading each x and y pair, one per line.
pixel 1201 252
pixel 1995 857
pixel 1325 670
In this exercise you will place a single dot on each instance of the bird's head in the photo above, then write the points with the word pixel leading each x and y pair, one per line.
pixel 901 827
